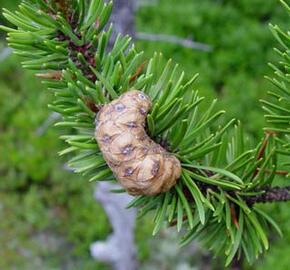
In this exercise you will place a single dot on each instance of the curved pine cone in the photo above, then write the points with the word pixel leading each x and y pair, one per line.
pixel 141 166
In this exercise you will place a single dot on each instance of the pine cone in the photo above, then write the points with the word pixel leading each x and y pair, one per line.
pixel 141 166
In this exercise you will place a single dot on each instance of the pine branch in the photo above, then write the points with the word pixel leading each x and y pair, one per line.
pixel 271 194
pixel 265 195
pixel 66 44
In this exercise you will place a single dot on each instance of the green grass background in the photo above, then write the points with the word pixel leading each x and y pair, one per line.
pixel 48 217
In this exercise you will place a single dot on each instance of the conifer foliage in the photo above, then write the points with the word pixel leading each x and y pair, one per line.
pixel 223 178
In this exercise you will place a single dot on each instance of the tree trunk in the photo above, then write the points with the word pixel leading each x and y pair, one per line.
pixel 119 249
pixel 123 17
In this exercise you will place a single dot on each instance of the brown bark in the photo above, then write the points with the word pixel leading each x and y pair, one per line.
pixel 275 194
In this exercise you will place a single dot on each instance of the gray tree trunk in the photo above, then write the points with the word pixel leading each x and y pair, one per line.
pixel 123 17
pixel 119 249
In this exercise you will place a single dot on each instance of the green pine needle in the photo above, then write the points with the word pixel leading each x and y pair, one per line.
pixel 220 170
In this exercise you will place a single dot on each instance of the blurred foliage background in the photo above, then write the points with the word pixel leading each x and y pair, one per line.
pixel 48 216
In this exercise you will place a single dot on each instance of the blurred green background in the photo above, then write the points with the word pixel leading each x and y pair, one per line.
pixel 48 216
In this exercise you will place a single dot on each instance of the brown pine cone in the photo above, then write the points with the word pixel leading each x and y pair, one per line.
pixel 141 166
